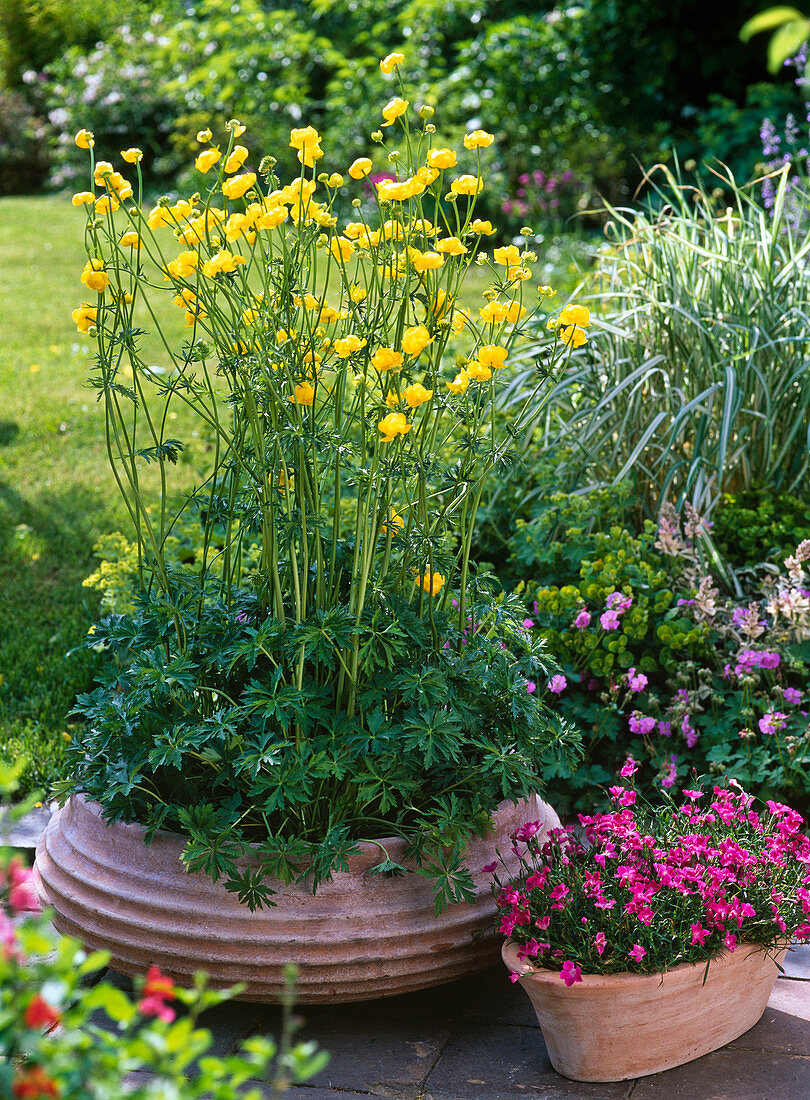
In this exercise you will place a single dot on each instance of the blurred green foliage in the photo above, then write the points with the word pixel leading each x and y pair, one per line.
pixel 564 87
pixel 760 525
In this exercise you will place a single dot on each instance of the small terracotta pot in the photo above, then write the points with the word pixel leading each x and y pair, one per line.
pixel 614 1027
pixel 359 937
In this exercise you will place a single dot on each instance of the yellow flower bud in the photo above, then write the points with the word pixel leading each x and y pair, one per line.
pixel 360 168
pixel 391 62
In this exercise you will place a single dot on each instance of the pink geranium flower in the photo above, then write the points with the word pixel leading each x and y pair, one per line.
pixel 557 684
pixel 636 681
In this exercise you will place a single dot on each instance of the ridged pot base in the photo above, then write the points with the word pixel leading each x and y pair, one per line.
pixel 359 937
pixel 614 1027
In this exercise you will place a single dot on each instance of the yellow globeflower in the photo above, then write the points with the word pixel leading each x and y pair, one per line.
pixel 478 372
pixel 223 261
pixel 131 240
pixel 427 261
pixel 573 336
pixel 348 345
pixel 478 139
pixel 430 582
pixel 341 248
pixel 304 394
pixel 357 293
pixel 493 312
pixel 417 395
pixel 515 312
pixel 394 109
pixel 94 276
pixel 575 315
pixel 389 63
pixel 451 246
pixel 459 320
pixel 507 256
pixel 102 170
pixel 84 139
pixel 132 156
pixel 85 317
pixel 307 141
pixel 203 136
pixel 442 158
pixel 426 175
pixel 83 198
pixel 415 340
pixel 236 159
pixel 360 168
pixel 466 185
pixel 207 159
pixel 236 186
pixel 482 227
pixel 492 355
pixel 459 383
pixel 394 524
pixel 392 425
pixel 386 359
pixel 183 266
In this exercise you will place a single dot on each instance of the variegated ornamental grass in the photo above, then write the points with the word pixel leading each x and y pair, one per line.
pixel 697 384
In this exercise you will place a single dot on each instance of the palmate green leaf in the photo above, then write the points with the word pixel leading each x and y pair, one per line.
pixel 434 735
pixel 251 888
pixel 385 783
pixel 452 881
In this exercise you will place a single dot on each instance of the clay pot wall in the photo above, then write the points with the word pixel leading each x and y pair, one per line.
pixel 615 1027
pixel 359 937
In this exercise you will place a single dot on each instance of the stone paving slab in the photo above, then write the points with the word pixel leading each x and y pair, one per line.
pixel 797 962
pixel 27 831
pixel 730 1075
pixel 785 1025
pixel 482 1062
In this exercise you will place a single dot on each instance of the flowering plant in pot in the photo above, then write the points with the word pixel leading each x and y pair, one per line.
pixel 675 916
pixel 331 668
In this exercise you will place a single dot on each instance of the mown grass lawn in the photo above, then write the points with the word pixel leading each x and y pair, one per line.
pixel 56 491
pixel 54 485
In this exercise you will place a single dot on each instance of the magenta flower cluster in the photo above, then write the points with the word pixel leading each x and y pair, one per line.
pixel 645 888
pixel 610 619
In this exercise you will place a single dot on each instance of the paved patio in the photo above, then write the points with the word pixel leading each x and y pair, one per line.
pixel 478 1039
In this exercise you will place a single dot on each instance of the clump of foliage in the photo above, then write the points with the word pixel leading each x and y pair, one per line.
pixel 23 150
pixel 667 669
pixel 759 526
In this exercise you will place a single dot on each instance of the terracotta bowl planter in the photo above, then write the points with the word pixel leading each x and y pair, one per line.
pixel 617 1026
pixel 359 937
